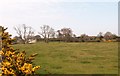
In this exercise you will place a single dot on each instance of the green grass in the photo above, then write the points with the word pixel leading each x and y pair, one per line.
pixel 74 58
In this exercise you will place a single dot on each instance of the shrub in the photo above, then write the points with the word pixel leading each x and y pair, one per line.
pixel 13 61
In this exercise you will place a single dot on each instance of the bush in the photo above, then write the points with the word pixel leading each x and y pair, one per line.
pixel 13 61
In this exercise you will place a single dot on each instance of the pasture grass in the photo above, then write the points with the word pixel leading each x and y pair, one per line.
pixel 74 58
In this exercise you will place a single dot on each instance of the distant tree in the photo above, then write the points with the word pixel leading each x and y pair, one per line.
pixel 66 31
pixel 47 32
pixel 24 32
pixel 74 35
pixel 108 36
pixel 65 34
pixel 59 35
pixel 108 33
pixel 52 33
pixel 100 36
pixel 84 37
pixel 114 36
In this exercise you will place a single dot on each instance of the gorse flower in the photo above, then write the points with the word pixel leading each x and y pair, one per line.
pixel 14 62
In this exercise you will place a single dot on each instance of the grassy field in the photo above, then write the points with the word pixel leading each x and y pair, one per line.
pixel 74 58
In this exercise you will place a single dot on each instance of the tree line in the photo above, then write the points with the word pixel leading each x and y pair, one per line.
pixel 47 34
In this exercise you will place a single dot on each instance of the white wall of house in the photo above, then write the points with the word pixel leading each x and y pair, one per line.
pixel 32 41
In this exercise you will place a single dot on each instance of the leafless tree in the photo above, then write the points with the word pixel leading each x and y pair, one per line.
pixel 66 31
pixel 47 32
pixel 109 36
pixel 65 34
pixel 24 32
pixel 100 36
pixel 84 37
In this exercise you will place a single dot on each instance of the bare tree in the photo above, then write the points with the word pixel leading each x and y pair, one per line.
pixel 100 36
pixel 24 32
pixel 108 36
pixel 66 31
pixel 47 32
pixel 59 35
pixel 84 37
pixel 65 34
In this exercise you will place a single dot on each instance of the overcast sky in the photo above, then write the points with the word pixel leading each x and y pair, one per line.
pixel 82 16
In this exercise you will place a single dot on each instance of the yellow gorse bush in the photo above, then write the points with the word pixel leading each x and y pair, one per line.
pixel 14 62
